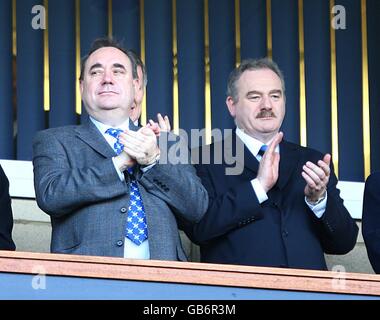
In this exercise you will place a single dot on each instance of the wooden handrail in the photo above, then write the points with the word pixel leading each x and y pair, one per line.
pixel 189 273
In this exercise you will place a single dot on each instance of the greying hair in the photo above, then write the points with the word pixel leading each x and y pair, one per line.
pixel 108 42
pixel 249 65
pixel 138 63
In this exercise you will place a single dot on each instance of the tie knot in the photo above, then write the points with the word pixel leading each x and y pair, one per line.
pixel 114 132
pixel 263 148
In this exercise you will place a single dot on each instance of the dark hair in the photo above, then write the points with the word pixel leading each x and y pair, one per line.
pixel 108 42
pixel 251 64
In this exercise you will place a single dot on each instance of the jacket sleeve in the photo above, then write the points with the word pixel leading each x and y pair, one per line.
pixel 177 184
pixel 337 229
pixel 226 212
pixel 371 220
pixel 6 218
pixel 61 187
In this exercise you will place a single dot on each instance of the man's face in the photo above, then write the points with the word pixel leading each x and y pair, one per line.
pixel 108 88
pixel 135 112
pixel 260 108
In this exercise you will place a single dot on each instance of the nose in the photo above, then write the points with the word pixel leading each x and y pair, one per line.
pixel 266 102
pixel 107 77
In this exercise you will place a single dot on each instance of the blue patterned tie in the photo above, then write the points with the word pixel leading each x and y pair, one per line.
pixel 117 146
pixel 136 229
pixel 262 150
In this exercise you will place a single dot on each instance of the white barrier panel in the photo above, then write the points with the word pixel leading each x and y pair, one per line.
pixel 20 175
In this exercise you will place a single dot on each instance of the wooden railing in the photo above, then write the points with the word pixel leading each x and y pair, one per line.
pixel 294 280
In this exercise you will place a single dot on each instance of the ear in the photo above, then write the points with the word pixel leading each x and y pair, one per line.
pixel 139 91
pixel 81 87
pixel 231 106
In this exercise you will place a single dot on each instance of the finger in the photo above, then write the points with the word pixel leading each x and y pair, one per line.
pixel 161 121
pixel 327 159
pixel 130 141
pixel 308 180
pixel 168 126
pixel 314 182
pixel 272 147
pixel 131 145
pixel 314 175
pixel 318 170
pixel 276 141
pixel 325 167
pixel 133 153
pixel 132 136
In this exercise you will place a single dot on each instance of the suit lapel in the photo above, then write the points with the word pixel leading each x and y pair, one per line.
pixel 248 160
pixel 89 134
pixel 289 158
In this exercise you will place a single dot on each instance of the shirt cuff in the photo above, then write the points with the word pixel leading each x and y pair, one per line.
pixel 145 169
pixel 259 190
pixel 318 209
pixel 121 174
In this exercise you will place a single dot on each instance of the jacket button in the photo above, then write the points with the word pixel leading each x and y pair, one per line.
pixel 285 233
pixel 119 243
pixel 123 210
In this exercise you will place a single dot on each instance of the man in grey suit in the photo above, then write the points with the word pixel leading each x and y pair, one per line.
pixel 101 182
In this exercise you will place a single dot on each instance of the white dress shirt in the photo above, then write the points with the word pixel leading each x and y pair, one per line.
pixel 254 145
pixel 131 250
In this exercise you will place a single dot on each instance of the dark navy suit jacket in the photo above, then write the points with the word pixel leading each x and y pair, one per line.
pixel 371 219
pixel 280 232
pixel 6 219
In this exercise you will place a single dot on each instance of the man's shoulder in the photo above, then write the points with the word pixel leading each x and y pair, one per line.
pixel 307 151
pixel 373 180
pixel 58 132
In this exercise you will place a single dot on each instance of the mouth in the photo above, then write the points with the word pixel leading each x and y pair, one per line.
pixel 105 93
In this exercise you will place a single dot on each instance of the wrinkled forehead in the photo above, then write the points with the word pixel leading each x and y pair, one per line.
pixel 261 80
pixel 108 56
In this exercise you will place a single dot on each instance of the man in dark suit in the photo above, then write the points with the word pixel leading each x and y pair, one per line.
pixel 102 182
pixel 6 218
pixel 371 219
pixel 283 208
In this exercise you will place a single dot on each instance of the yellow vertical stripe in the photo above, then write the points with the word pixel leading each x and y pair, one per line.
pixel 110 22
pixel 269 29
pixel 14 29
pixel 143 118
pixel 46 59
pixel 78 100
pixel 334 98
pixel 207 75
pixel 303 122
pixel 237 33
pixel 175 70
pixel 365 104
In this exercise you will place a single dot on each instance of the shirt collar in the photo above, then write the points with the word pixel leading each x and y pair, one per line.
pixel 252 144
pixel 103 127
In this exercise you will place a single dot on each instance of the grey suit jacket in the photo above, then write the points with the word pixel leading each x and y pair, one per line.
pixel 77 184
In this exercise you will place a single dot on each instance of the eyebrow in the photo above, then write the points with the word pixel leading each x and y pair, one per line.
pixel 260 93
pixel 99 65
